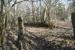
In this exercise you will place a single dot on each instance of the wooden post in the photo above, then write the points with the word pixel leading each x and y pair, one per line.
pixel 20 33
pixel 73 22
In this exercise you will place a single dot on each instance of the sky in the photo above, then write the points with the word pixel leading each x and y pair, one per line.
pixel 65 2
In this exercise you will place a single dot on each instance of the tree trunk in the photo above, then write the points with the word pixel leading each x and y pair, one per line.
pixel 1 25
pixel 73 22
pixel 33 11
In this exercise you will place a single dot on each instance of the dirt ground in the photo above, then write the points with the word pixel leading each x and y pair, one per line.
pixel 42 38
pixel 61 36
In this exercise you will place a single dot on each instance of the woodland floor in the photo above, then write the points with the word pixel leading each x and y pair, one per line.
pixel 53 39
pixel 42 38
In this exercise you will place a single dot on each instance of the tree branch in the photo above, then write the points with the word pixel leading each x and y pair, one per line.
pixel 18 2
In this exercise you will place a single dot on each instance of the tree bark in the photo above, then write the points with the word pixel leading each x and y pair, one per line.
pixel 1 25
pixel 73 22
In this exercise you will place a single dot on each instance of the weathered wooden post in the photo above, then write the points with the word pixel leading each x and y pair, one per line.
pixel 20 33
pixel 73 22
